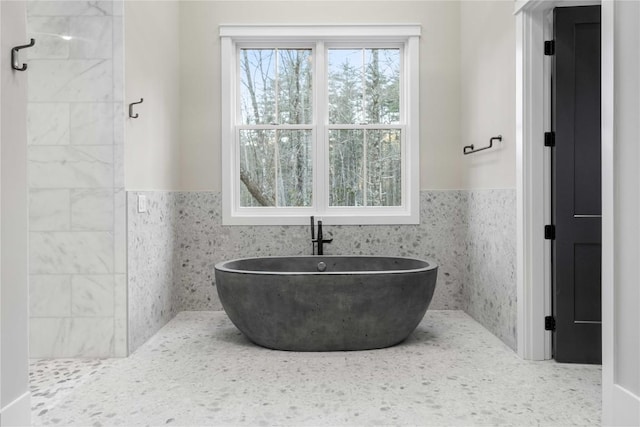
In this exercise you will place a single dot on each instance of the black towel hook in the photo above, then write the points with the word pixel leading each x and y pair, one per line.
pixel 14 56
pixel 134 116
pixel 468 149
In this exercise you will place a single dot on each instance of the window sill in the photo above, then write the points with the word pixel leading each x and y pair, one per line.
pixel 328 219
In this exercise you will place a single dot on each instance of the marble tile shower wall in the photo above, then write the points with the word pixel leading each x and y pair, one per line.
pixel 76 180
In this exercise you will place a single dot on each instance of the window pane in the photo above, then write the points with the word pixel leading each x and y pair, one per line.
pixel 383 185
pixel 294 168
pixel 345 86
pixel 275 86
pixel 384 177
pixel 294 86
pixel 364 86
pixel 258 86
pixel 346 148
pixel 265 152
pixel 257 168
pixel 382 86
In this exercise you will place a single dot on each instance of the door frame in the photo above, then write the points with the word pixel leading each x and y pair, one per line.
pixel 15 401
pixel 620 109
pixel 620 201
pixel 533 172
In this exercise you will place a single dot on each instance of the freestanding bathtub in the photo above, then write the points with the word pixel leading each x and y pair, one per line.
pixel 326 303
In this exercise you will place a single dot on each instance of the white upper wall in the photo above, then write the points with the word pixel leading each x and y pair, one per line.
pixel 440 156
pixel 152 72
pixel 467 85
pixel 487 88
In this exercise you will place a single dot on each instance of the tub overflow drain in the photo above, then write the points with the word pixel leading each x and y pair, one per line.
pixel 322 266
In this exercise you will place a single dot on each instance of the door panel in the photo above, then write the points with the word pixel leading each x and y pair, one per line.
pixel 587 264
pixel 576 185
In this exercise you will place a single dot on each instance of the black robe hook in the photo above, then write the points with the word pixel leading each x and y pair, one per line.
pixel 134 116
pixel 14 56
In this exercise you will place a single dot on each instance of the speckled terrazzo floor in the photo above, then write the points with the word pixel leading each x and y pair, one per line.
pixel 199 370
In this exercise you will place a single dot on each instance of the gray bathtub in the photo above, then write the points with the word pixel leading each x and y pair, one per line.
pixel 355 303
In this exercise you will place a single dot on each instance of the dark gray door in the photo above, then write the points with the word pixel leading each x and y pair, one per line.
pixel 576 185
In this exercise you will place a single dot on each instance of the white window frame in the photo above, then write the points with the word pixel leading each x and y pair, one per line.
pixel 320 38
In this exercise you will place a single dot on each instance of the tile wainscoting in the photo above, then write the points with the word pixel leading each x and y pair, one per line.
pixel 77 216
pixel 174 246
pixel 490 287
pixel 152 245
pixel 204 241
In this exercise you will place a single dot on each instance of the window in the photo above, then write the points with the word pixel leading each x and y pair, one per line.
pixel 320 120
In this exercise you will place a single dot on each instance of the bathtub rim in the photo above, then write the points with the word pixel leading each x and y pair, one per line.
pixel 431 265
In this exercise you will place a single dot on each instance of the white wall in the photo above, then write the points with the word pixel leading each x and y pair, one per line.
pixel 487 89
pixel 621 210
pixel 467 85
pixel 439 76
pixel 152 40
pixel 14 336
pixel 627 204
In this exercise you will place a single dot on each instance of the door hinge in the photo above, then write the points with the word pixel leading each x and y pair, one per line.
pixel 549 232
pixel 549 139
pixel 549 47
pixel 549 323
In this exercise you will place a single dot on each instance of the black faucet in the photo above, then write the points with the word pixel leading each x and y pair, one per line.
pixel 320 241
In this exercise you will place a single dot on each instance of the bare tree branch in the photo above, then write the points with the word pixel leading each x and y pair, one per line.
pixel 254 190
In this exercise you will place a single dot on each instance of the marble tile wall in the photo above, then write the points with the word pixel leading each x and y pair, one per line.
pixel 77 214
pixel 490 286
pixel 152 245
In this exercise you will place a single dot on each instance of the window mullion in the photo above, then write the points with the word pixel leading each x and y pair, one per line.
pixel 321 161
pixel 277 88
pixel 365 183
pixel 363 81
pixel 368 127
pixel 276 161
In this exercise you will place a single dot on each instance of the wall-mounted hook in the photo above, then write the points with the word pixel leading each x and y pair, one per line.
pixel 134 116
pixel 14 56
